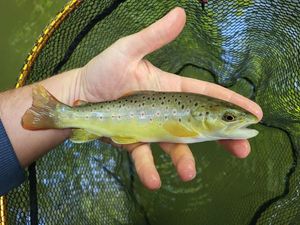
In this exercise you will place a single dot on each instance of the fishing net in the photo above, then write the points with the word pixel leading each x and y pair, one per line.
pixel 250 46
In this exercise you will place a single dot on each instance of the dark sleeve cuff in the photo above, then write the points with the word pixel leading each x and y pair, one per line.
pixel 11 173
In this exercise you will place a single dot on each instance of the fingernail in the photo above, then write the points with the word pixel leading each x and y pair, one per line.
pixel 189 171
pixel 153 182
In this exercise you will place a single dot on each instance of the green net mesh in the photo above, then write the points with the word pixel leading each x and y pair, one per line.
pixel 250 46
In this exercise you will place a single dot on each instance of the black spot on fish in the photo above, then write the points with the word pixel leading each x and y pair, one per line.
pixel 179 103
pixel 207 113
pixel 175 99
pixel 182 107
pixel 159 98
pixel 179 119
pixel 135 101
pixel 200 114
pixel 162 103
pixel 148 98
pixel 164 97
pixel 196 104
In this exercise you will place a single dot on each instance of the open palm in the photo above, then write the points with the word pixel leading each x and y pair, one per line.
pixel 121 69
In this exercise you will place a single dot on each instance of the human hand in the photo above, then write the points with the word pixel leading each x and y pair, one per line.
pixel 121 69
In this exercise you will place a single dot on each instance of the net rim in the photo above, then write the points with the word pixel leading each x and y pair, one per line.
pixel 43 39
pixel 32 56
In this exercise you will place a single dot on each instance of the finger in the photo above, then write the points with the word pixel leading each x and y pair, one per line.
pixel 239 148
pixel 182 158
pixel 155 36
pixel 186 84
pixel 144 165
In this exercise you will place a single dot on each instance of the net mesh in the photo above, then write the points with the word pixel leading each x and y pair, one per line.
pixel 250 46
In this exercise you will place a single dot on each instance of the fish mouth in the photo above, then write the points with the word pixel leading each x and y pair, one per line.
pixel 243 132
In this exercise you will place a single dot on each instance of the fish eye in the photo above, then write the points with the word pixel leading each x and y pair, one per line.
pixel 228 117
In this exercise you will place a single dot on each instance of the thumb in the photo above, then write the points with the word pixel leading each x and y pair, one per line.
pixel 155 36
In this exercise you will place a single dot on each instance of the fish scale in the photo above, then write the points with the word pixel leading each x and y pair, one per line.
pixel 145 116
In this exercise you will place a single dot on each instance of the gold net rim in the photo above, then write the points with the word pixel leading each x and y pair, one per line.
pixel 35 51
pixel 43 39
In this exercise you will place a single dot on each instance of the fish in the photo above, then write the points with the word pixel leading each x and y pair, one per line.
pixel 142 116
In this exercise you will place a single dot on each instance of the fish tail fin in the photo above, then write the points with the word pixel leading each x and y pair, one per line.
pixel 43 113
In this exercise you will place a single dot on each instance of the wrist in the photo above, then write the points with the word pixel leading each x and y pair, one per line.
pixel 65 87
pixel 81 84
pixel 28 145
pixel 5 98
pixel 86 85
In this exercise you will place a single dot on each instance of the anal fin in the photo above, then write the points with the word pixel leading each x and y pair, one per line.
pixel 82 136
pixel 123 140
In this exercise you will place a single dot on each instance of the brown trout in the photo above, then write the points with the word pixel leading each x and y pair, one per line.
pixel 145 116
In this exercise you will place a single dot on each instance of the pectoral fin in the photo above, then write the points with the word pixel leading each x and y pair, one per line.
pixel 82 136
pixel 179 130
pixel 123 140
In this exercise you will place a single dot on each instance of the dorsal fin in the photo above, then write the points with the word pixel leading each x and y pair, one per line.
pixel 79 102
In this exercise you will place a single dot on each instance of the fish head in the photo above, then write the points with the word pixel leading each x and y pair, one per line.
pixel 227 121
